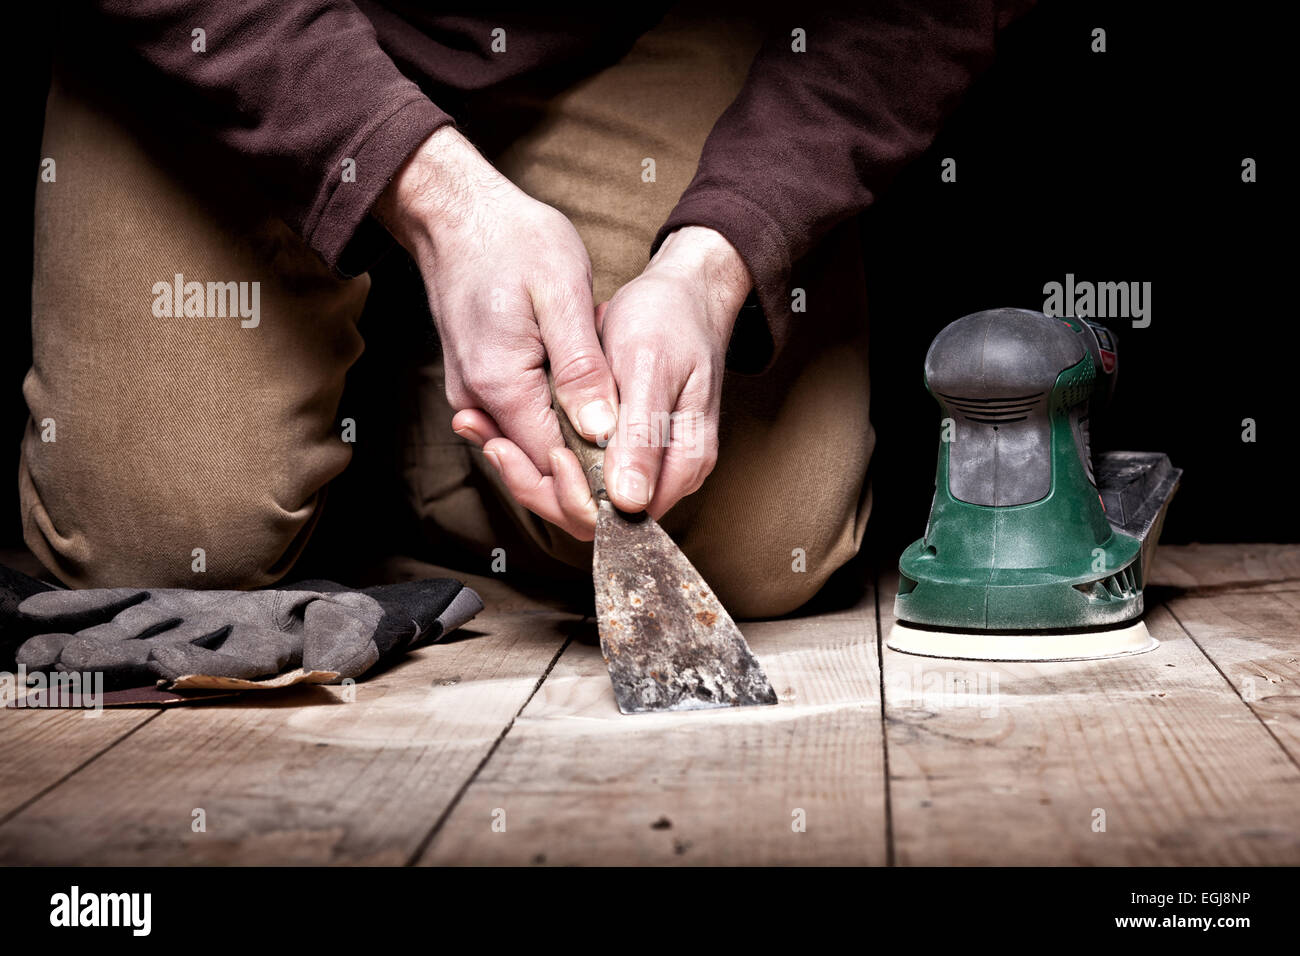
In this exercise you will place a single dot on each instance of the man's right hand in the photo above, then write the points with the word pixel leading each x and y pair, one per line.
pixel 509 285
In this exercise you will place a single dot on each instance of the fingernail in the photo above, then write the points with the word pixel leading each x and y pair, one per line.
pixel 597 418
pixel 633 486
pixel 494 459
pixel 469 435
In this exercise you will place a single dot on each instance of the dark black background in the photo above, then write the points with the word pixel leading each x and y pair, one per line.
pixel 922 908
pixel 1117 166
pixel 1122 166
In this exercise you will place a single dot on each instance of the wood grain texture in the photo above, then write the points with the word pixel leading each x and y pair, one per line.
pixel 38 748
pixel 1009 763
pixel 1254 640
pixel 1190 750
pixel 1242 608
pixel 580 783
pixel 1221 567
pixel 299 776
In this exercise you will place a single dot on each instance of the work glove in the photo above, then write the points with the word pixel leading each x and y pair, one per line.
pixel 137 637
pixel 15 587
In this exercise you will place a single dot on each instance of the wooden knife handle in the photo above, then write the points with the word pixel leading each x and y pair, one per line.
pixel 590 455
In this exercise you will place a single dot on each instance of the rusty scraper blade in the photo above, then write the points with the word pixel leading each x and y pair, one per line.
pixel 668 641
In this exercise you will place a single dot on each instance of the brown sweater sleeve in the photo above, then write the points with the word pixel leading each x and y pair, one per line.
pixel 298 88
pixel 814 136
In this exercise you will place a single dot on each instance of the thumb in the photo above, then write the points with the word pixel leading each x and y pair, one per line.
pixel 584 383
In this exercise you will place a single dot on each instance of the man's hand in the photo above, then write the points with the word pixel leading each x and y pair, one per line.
pixel 665 334
pixel 509 285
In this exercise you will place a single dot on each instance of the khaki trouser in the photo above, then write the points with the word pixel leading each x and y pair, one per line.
pixel 193 451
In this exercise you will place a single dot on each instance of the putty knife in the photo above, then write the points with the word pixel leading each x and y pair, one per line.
pixel 667 640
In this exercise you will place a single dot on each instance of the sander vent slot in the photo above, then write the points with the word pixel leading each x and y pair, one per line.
pixel 1120 586
pixel 994 411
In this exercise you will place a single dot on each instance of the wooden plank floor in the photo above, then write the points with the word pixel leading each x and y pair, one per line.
pixel 504 747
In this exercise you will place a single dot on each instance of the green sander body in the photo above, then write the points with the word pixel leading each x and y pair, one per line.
pixel 1027 532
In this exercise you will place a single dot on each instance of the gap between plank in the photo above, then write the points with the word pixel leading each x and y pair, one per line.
pixel 75 770
pixel 469 781
pixel 1235 690
pixel 890 859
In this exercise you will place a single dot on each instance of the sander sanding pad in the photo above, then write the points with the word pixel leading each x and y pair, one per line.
pixel 1075 645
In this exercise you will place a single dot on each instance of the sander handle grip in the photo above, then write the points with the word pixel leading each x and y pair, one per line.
pixel 590 455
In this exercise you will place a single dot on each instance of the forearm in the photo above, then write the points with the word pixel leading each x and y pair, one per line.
pixel 434 193
pixel 301 92
pixel 814 136
pixel 705 258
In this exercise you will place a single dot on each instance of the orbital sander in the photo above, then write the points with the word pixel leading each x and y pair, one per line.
pixel 1034 549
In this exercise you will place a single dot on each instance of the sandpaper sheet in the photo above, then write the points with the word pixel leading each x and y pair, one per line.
pixel 287 679
pixel 189 689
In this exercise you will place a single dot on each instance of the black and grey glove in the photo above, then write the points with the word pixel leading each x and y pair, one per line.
pixel 135 637
pixel 15 587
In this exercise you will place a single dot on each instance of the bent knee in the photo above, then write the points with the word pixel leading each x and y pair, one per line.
pixel 758 579
pixel 153 526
